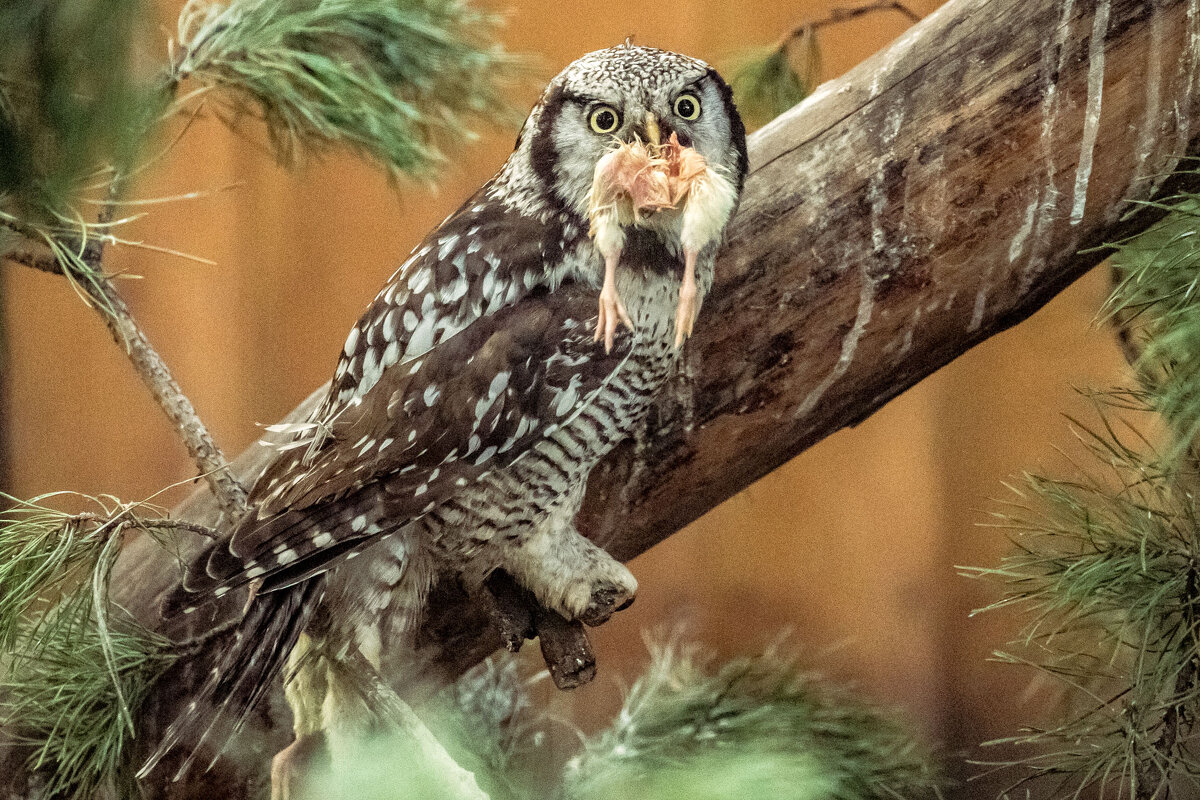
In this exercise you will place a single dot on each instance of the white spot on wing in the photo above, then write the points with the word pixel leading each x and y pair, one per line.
pixel 445 245
pixel 422 338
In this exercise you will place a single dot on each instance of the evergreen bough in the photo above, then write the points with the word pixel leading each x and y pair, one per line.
pixel 1106 562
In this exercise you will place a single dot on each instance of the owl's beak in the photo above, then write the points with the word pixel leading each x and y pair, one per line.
pixel 653 131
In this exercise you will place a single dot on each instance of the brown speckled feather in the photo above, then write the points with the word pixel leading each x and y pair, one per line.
pixel 416 438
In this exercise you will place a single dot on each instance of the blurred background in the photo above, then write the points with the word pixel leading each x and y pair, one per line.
pixel 852 547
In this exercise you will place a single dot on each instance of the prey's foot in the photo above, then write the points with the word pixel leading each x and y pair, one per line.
pixel 689 298
pixel 294 764
pixel 612 310
pixel 612 313
pixel 685 315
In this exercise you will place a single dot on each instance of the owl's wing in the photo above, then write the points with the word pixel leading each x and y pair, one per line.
pixel 423 432
pixel 483 258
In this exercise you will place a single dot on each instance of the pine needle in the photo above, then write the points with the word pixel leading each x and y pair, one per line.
pixel 73 668
pixel 1106 566
pixel 753 727
pixel 1158 299
pixel 68 95
pixel 387 79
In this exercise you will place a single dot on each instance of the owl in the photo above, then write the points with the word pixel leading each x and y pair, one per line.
pixel 479 389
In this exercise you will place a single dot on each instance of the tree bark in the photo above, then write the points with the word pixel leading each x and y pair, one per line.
pixel 936 195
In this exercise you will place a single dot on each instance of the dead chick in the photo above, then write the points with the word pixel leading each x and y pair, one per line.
pixel 640 184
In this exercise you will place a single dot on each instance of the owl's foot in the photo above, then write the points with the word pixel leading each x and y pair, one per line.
pixel 570 575
pixel 292 765
pixel 612 310
pixel 590 595
pixel 608 599
pixel 689 300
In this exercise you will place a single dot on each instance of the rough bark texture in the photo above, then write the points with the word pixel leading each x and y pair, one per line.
pixel 934 196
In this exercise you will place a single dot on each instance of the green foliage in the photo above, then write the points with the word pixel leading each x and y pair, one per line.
pixel 68 97
pixel 753 727
pixel 768 81
pixel 1106 564
pixel 70 693
pixel 385 78
pixel 72 667
pixel 1158 297
pixel 391 80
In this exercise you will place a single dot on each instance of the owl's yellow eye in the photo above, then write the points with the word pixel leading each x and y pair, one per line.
pixel 687 106
pixel 604 119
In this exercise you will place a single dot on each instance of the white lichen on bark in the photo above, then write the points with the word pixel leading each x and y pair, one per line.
pixel 1091 117
pixel 1054 60
pixel 1153 124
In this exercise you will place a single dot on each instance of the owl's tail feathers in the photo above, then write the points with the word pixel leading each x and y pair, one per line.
pixel 242 673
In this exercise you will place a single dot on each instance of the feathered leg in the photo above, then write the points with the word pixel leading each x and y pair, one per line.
pixel 243 674
pixel 565 571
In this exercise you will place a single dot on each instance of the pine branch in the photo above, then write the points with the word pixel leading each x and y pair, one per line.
pixel 1154 778
pixel 752 727
pixel 81 262
pixel 837 16
pixel 385 78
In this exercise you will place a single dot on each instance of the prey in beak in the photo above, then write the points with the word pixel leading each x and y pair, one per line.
pixel 631 185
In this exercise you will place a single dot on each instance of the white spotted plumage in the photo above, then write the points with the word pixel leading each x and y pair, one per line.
pixel 470 402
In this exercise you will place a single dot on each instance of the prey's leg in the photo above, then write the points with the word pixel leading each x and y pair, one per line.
pixel 689 299
pixel 612 310
pixel 305 693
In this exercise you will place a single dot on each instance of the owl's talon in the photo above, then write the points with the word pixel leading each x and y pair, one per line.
pixel 605 602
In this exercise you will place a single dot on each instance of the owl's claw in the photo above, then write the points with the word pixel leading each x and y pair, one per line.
pixel 689 304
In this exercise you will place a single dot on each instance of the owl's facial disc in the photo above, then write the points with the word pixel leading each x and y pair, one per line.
pixel 611 98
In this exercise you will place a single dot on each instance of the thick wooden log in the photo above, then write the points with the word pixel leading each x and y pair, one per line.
pixel 939 193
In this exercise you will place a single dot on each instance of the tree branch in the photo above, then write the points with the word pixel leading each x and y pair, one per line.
pixel 936 195
pixel 150 366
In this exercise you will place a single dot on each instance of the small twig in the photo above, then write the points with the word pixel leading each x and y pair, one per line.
pixel 99 287
pixel 43 263
pixel 193 645
pixel 179 525
pixel 157 377
pixel 565 646
pixel 399 719
pixel 565 649
pixel 839 15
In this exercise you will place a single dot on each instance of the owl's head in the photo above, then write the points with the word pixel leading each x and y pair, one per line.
pixel 619 94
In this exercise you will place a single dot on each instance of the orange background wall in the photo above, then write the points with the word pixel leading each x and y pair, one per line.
pixel 852 546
